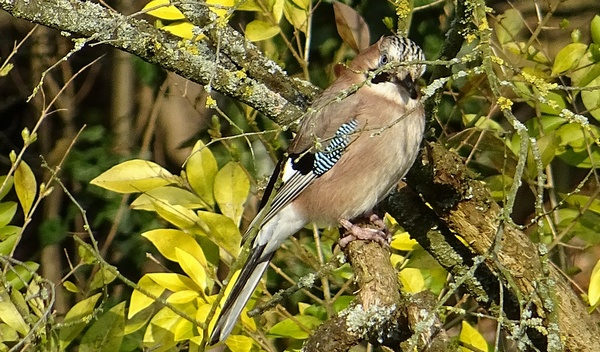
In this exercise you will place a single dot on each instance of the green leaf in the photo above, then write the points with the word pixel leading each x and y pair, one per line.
pixel 579 201
pixel 591 98
pixel 169 195
pixel 472 337
pixel 167 241
pixel 222 231
pixel 296 13
pixel 595 29
pixel 7 212
pixel 69 286
pixel 76 320
pixel 106 334
pixel 102 278
pixel 25 186
pixel 299 328
pixel 20 275
pixel 134 176
pixel 258 30
pixel 140 301
pixel 509 26
pixel 182 29
pixel 568 58
pixel 7 187
pixel 164 10
pixel 10 314
pixel 594 288
pixel 201 169
pixel 232 187
pixel 159 335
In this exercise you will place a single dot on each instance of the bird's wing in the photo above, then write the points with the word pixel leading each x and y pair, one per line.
pixel 301 166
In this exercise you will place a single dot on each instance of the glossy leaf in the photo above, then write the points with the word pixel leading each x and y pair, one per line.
pixel 402 242
pixel 182 29
pixel 472 337
pixel 298 328
pixel 8 236
pixel 595 29
pixel 412 280
pixel 239 343
pixel 232 187
pixel 140 301
pixel 594 288
pixel 167 241
pixel 185 219
pixel 183 297
pixel 134 176
pixel 25 186
pixel 21 274
pixel 7 186
pixel 170 195
pixel 10 314
pixel 76 320
pixel 201 169
pixel 173 282
pixel 258 30
pixel 296 13
pixel 222 231
pixel 192 268
pixel 164 10
pixel 159 335
pixel 7 212
pixel 568 58
pixel 591 98
pixel 106 333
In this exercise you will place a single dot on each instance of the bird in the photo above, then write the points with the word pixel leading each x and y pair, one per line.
pixel 355 143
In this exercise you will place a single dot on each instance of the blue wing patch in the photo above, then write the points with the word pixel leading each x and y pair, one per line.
pixel 325 159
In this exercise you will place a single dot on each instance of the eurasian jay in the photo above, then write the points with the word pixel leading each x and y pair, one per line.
pixel 355 143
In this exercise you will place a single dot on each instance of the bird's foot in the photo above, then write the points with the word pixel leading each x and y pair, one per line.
pixel 380 234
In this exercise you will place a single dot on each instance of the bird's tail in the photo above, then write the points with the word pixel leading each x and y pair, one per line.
pixel 246 283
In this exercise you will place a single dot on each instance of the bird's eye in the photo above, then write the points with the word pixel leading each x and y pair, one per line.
pixel 384 59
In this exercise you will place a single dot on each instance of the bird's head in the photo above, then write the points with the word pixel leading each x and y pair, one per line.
pixel 392 59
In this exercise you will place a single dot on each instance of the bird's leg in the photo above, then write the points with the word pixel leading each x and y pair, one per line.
pixel 355 232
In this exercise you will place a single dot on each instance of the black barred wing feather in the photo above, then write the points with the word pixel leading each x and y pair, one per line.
pixel 301 169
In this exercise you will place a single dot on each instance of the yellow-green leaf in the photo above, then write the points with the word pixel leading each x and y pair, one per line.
pixel 297 328
pixel 8 183
pixel 170 195
pixel 220 7
pixel 201 169
pixel 258 30
pixel 296 12
pixel 239 343
pixel 10 314
pixel 134 176
pixel 106 333
pixel 140 301
pixel 25 186
pixel 76 320
pixel 138 321
pixel 183 218
pixel 182 29
pixel 8 237
pixel 164 10
pixel 412 280
pixel 70 287
pixel 20 275
pixel 102 278
pixel 472 337
pixel 183 297
pixel 591 98
pixel 168 240
pixel 192 267
pixel 223 231
pixel 159 335
pixel 231 191
pixel 594 288
pixel 173 282
pixel 568 57
pixel 7 211
pixel 402 242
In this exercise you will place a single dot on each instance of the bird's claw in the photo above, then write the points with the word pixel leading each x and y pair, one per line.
pixel 355 232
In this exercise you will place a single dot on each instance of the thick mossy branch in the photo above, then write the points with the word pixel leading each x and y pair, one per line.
pixel 196 61
pixel 463 207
